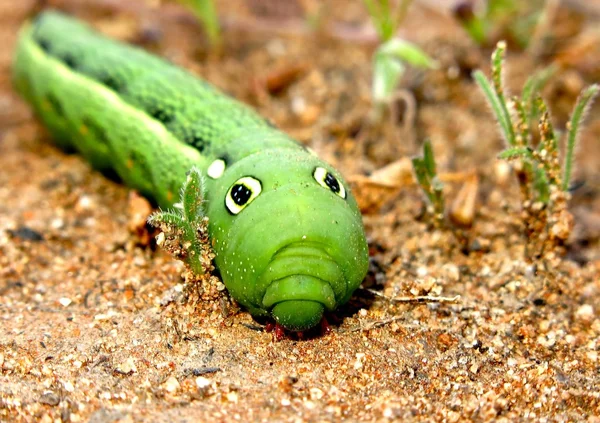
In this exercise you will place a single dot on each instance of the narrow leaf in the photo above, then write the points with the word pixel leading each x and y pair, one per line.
pixel 407 52
pixel 166 217
pixel 206 13
pixel 428 158
pixel 495 104
pixel 532 86
pixel 581 107
pixel 497 78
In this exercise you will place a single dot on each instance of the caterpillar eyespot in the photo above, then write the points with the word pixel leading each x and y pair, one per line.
pixel 327 180
pixel 242 192
pixel 148 121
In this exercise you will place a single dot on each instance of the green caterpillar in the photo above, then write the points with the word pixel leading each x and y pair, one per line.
pixel 287 234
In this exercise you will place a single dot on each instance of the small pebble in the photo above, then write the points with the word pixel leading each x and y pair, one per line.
pixel 202 382
pixel 57 223
pixel 232 397
pixel 585 313
pixel 359 359
pixel 127 367
pixel 26 234
pixel 171 384
pixel 65 302
pixel 316 394
pixel 84 203
pixel 68 386
pixel 49 398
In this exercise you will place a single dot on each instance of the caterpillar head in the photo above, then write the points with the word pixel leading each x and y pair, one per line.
pixel 288 236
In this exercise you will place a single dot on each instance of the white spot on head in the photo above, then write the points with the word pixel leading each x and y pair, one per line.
pixel 216 169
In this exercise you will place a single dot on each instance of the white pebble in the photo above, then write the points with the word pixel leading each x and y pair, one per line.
pixel 65 302
pixel 202 382
pixel 171 384
pixel 585 313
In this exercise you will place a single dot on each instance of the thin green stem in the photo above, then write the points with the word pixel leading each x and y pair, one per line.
pixel 524 134
pixel 532 86
pixel 206 13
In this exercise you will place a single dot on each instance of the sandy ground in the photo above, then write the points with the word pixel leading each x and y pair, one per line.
pixel 96 325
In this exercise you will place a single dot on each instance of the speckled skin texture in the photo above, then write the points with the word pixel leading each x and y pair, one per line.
pixel 149 121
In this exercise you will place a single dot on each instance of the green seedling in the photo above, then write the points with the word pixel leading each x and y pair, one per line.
pixel 540 174
pixel 517 135
pixel 515 124
pixel 393 54
pixel 185 229
pixel 389 64
pixel 386 18
pixel 426 174
pixel 206 13
pixel 516 19
pixel 583 104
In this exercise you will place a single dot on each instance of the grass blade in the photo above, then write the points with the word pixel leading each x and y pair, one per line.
pixel 583 103
pixel 495 104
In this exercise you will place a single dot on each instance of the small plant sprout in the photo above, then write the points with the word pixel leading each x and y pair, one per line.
pixel 515 19
pixel 206 13
pixel 185 229
pixel 544 182
pixel 386 18
pixel 393 54
pixel 389 64
pixel 426 175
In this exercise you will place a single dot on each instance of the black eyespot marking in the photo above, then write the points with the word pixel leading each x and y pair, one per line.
pixel 111 174
pixel 197 141
pixel 162 115
pixel 138 161
pixel 110 82
pixel 96 130
pixel 242 192
pixel 55 104
pixel 332 183
pixel 69 61
pixel 44 45
pixel 327 180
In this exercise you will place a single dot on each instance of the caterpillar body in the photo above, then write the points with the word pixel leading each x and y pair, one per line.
pixel 286 231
